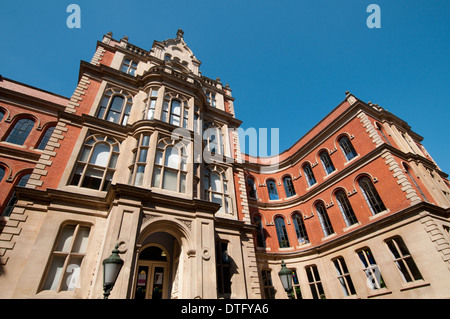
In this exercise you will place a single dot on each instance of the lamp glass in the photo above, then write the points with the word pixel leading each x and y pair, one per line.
pixel 285 277
pixel 111 271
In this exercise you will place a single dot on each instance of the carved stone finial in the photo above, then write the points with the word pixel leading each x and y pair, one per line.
pixel 180 33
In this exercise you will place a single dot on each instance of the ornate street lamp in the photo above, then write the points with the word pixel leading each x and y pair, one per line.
pixel 111 269
pixel 286 279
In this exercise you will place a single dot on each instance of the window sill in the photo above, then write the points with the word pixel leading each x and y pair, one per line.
pixel 352 297
pixel 384 212
pixel 330 174
pixel 352 160
pixel 351 226
pixel 379 292
pixel 414 285
pixel 51 294
pixel 286 249
pixel 303 246
pixel 329 236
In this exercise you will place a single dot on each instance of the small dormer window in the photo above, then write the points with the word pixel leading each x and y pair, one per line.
pixel 211 98
pixel 129 66
pixel 167 57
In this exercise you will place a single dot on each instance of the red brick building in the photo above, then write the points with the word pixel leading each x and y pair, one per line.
pixel 356 208
pixel 359 183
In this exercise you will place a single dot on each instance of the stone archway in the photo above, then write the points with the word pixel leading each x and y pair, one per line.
pixel 153 271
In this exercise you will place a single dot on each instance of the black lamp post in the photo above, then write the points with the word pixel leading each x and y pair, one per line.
pixel 111 269
pixel 286 279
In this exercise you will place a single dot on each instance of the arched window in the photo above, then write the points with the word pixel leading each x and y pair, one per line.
pixel 300 229
pixel 2 173
pixel 326 162
pixel 96 164
pixel 324 219
pixel 309 174
pixel 216 188
pixel 115 106
pixel 346 209
pixel 20 132
pixel 260 238
pixel 170 169
pixel 251 187
pixel 371 195
pixel 13 199
pixel 288 186
pixel 272 189
pixel 64 270
pixel 280 226
pixel 175 111
pixel 347 148
pixel 2 115
pixel 45 138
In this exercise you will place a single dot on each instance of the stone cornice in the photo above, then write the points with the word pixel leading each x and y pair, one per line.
pixel 100 205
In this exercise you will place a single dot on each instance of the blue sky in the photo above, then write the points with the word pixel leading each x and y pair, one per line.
pixel 287 62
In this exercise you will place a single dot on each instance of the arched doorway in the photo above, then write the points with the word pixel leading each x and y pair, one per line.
pixel 157 267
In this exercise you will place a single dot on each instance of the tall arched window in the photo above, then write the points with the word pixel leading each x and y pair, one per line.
pixel 2 115
pixel 371 196
pixel 325 222
pixel 45 138
pixel 170 169
pixel 326 162
pixel 280 226
pixel 311 180
pixel 64 270
pixel 97 162
pixel 347 148
pixel 272 189
pixel 346 209
pixel 251 187
pixel 260 238
pixel 216 188
pixel 115 106
pixel 288 186
pixel 300 229
pixel 20 131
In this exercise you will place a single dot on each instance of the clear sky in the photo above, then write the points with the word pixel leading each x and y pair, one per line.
pixel 287 62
